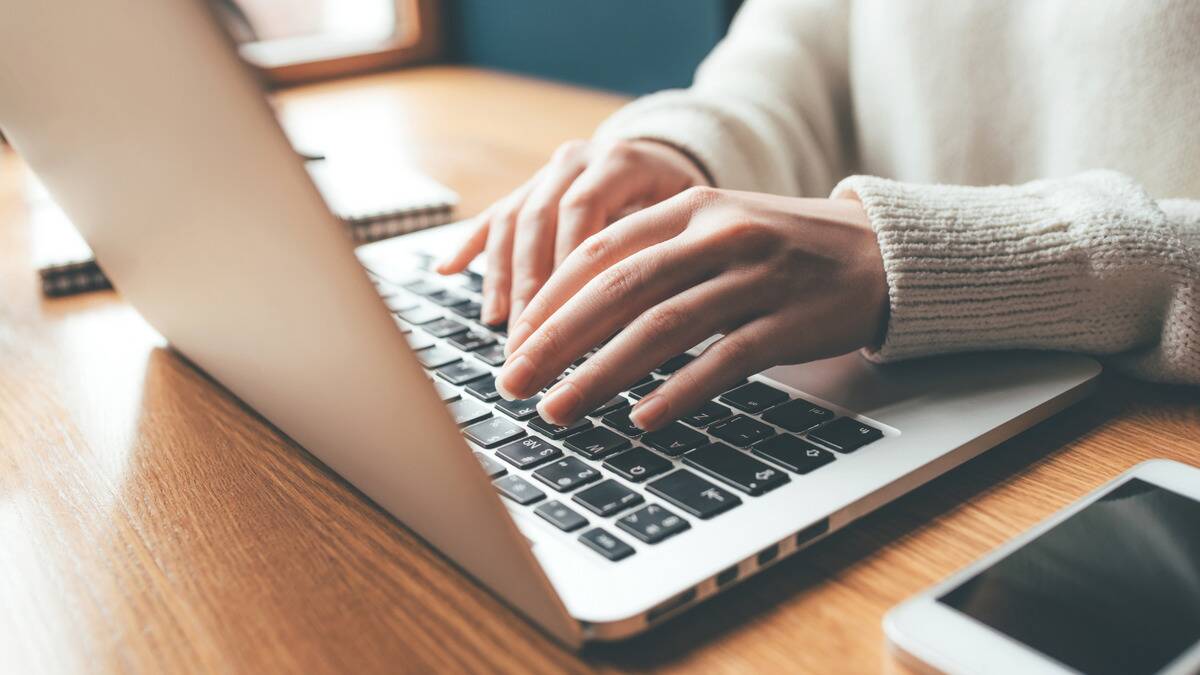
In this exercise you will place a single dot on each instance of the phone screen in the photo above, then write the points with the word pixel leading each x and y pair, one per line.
pixel 1115 588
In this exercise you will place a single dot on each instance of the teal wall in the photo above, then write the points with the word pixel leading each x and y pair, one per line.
pixel 631 46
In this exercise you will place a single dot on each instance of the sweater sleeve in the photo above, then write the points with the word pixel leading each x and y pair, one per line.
pixel 769 109
pixel 1088 263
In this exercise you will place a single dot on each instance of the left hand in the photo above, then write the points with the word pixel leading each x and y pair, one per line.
pixel 785 280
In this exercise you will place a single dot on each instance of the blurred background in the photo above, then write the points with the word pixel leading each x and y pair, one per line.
pixel 628 46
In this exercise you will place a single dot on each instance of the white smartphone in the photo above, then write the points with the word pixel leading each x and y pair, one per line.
pixel 1111 584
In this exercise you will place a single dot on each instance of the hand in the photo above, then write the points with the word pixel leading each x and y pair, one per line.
pixel 785 280
pixel 583 188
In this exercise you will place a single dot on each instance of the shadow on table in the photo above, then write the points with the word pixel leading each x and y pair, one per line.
pixel 791 579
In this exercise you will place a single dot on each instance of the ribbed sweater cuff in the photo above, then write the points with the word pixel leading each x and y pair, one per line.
pixel 972 268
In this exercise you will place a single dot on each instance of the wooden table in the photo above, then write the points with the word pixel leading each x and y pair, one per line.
pixel 151 523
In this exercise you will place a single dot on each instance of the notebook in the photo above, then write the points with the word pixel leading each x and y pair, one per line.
pixel 375 199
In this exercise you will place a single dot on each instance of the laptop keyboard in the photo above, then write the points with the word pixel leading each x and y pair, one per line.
pixel 743 444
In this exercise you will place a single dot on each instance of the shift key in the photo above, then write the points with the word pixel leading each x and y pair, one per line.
pixel 735 468
pixel 693 494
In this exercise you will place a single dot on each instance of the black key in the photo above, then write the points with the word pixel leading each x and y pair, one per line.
pixel 741 431
pixel 470 341
pixel 419 316
pixel 493 431
pixel 462 372
pixel 736 468
pixel 436 357
pixel 674 439
pixel 607 497
pixel 596 443
pixel 422 286
pixel 673 364
pixel 401 303
pixel 518 489
pixel 794 454
pixel 619 420
pixel 606 544
pixel 493 356
pixel 447 298
pixel 490 466
pixel 797 415
pixel 693 494
pixel 521 409
pixel 645 380
pixel 484 389
pixel 567 474
pixel 472 281
pixel 468 310
pixel 637 464
pixel 444 328
pixel 845 434
pixel 555 431
pixel 754 397
pixel 560 515
pixel 497 328
pixel 447 392
pixel 418 341
pixel 553 382
pixel 579 361
pixel 608 406
pixel 707 414
pixel 465 411
pixel 645 389
pixel 529 452
pixel 652 523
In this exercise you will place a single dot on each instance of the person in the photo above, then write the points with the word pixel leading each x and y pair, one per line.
pixel 1013 175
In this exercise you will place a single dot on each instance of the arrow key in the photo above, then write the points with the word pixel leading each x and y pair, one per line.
pixel 736 468
pixel 652 523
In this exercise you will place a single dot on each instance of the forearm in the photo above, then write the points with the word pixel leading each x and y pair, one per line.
pixel 769 107
pixel 1088 264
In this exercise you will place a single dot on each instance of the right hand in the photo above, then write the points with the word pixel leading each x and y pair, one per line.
pixel 585 186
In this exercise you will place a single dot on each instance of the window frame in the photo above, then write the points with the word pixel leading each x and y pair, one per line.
pixel 416 40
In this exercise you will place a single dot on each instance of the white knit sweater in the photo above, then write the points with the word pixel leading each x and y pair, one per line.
pixel 1096 103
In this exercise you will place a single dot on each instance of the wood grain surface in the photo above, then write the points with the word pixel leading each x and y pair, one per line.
pixel 150 523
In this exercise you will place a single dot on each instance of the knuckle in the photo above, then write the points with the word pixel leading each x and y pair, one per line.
pixel 615 282
pixel 734 353
pixel 570 150
pixel 595 249
pixel 578 200
pixel 662 320
pixel 699 196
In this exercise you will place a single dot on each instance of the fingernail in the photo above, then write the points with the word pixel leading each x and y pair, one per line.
pixel 560 404
pixel 514 378
pixel 648 412
pixel 517 336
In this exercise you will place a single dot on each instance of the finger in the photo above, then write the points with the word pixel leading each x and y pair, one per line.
pixel 601 251
pixel 533 243
pixel 745 351
pixel 469 249
pixel 665 330
pixel 601 192
pixel 497 277
pixel 608 302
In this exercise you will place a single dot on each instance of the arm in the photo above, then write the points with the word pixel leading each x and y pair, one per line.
pixel 1088 263
pixel 769 110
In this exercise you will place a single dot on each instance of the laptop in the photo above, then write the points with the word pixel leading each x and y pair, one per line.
pixel 129 111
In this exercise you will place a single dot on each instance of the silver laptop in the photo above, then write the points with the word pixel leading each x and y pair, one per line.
pixel 157 141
